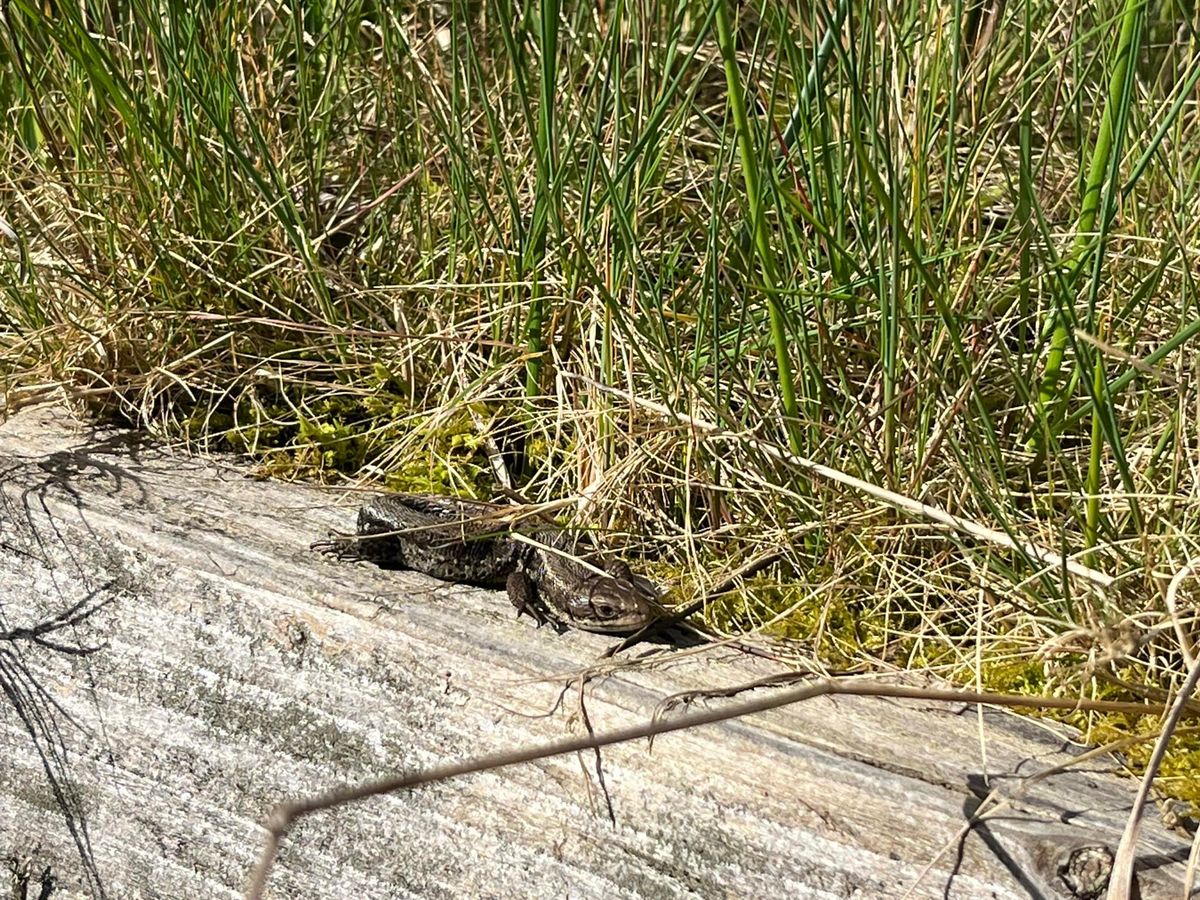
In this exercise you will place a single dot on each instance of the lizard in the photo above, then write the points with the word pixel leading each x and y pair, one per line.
pixel 466 541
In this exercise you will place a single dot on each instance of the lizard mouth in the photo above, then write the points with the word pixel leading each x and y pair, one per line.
pixel 622 625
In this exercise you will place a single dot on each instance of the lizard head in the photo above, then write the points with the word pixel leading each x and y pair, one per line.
pixel 616 603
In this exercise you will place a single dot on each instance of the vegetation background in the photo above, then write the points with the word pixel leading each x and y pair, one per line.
pixel 664 260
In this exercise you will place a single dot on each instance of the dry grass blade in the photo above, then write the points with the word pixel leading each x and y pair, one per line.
pixel 1117 353
pixel 1172 603
pixel 892 498
pixel 285 815
pixel 1189 877
pixel 1120 885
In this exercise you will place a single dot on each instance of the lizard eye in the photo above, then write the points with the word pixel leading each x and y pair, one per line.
pixel 604 611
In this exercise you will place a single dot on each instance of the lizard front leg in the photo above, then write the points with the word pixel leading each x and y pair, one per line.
pixel 523 594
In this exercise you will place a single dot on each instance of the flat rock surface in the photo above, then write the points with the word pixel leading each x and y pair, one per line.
pixel 237 668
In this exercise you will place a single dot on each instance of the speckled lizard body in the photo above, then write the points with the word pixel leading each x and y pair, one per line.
pixel 473 543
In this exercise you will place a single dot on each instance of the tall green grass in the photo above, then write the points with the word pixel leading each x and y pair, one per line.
pixel 946 250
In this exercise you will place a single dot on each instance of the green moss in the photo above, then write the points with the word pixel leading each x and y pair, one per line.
pixel 1177 777
pixel 833 620
pixel 453 455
